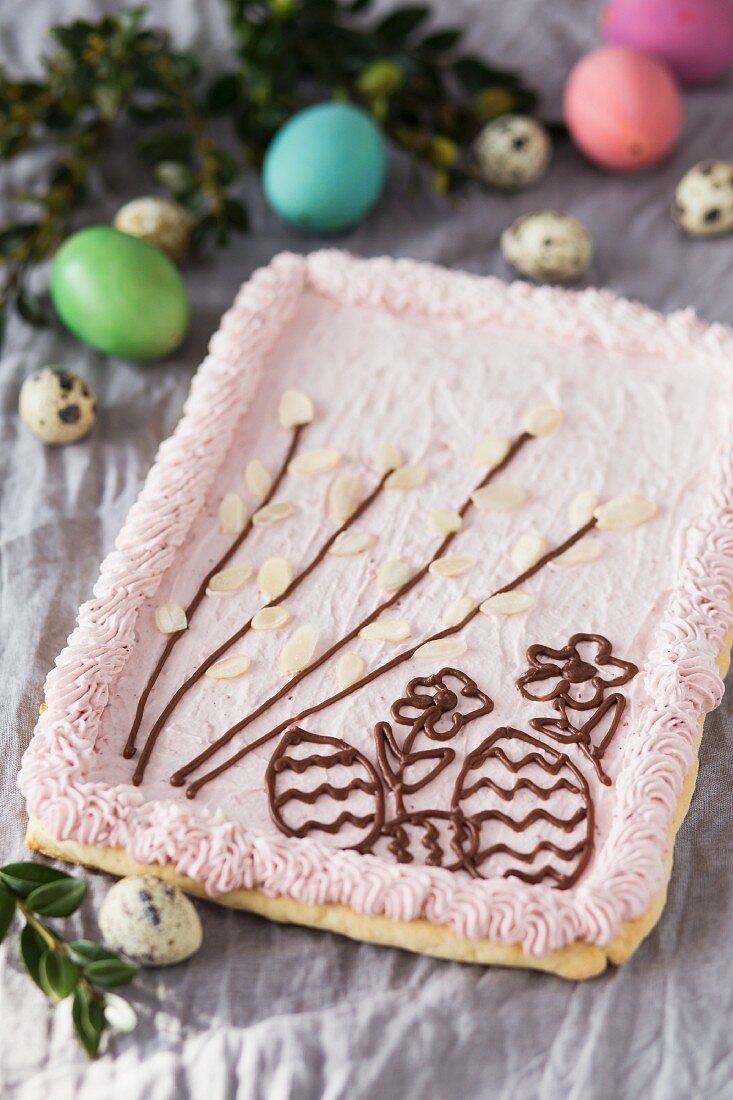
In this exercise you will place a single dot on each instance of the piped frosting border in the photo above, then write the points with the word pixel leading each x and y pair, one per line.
pixel 684 680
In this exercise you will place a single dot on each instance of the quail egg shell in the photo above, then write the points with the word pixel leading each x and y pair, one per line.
pixel 57 406
pixel 512 152
pixel 158 221
pixel 703 199
pixel 548 246
pixel 150 921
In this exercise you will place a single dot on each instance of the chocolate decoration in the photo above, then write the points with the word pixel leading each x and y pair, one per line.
pixel 431 708
pixel 464 837
pixel 563 730
pixel 129 750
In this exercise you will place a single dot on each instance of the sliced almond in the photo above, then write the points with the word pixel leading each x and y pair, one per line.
pixel 387 457
pixel 581 509
pixel 457 611
pixel 270 618
pixel 394 574
pixel 621 513
pixel 229 668
pixel 170 618
pixel 344 496
pixel 258 478
pixel 314 462
pixel 298 650
pixel 274 576
pixel 295 409
pixel 349 669
pixel 502 497
pixel 584 550
pixel 527 551
pixel 440 649
pixel 273 513
pixel 445 521
pixel 407 477
pixel 451 566
pixel 386 630
pixel 507 603
pixel 349 543
pixel 542 420
pixel 230 579
pixel 491 451
pixel 232 514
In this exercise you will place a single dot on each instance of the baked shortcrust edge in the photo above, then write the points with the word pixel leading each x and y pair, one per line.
pixel 577 961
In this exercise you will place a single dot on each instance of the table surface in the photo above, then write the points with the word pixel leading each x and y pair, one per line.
pixel 276 1012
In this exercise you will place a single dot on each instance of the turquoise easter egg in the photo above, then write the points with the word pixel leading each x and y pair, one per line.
pixel 325 168
pixel 119 294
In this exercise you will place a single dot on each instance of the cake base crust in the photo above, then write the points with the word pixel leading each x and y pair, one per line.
pixel 575 962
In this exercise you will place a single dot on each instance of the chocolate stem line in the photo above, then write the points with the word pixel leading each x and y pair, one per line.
pixel 195 676
pixel 129 749
pixel 179 776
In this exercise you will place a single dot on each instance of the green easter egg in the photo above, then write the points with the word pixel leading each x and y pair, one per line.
pixel 119 294
pixel 325 168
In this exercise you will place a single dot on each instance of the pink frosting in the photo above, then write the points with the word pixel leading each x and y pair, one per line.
pixel 672 623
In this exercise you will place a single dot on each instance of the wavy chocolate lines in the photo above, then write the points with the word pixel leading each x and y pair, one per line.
pixel 507 794
pixel 193 788
pixel 129 749
pixel 179 776
pixel 533 816
pixel 195 676
pixel 310 797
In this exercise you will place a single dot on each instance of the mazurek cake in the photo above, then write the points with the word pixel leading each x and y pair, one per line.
pixel 412 629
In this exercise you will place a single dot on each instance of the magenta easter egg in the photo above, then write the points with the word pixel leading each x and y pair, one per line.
pixel 623 109
pixel 693 37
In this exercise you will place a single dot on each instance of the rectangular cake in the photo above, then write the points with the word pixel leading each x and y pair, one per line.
pixel 412 629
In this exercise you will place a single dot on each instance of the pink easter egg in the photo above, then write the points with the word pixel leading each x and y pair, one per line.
pixel 693 37
pixel 623 109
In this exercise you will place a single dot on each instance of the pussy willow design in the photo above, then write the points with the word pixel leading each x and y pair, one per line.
pixel 519 807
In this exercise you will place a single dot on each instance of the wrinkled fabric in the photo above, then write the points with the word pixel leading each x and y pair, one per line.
pixel 277 1012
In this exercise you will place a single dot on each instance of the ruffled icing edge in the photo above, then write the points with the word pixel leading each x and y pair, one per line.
pixel 683 681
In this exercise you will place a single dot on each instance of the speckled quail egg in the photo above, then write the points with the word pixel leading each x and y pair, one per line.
pixel 158 221
pixel 150 921
pixel 703 199
pixel 512 152
pixel 548 247
pixel 57 406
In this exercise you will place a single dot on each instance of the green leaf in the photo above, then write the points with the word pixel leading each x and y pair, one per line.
pixel 57 975
pixel 178 178
pixel 57 899
pixel 223 93
pixel 23 878
pixel 31 308
pixel 109 973
pixel 119 1013
pixel 32 947
pixel 7 910
pixel 174 145
pixel 400 23
pixel 13 237
pixel 236 215
pixel 89 1022
pixel 442 41
pixel 474 74
pixel 84 952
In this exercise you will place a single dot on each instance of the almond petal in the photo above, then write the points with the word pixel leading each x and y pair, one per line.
pixel 440 649
pixel 298 650
pixel 444 521
pixel 386 630
pixel 407 477
pixel 170 618
pixel 344 496
pixel 579 553
pixel 270 618
pixel 491 451
pixel 258 478
pixel 507 603
pixel 387 457
pixel 314 462
pixel 621 513
pixel 230 579
pixel 295 409
pixel 232 514
pixel 394 574
pixel 349 543
pixel 457 611
pixel 501 497
pixel 581 509
pixel 527 551
pixel 229 668
pixel 349 669
pixel 274 577
pixel 451 566
pixel 542 420
pixel 273 513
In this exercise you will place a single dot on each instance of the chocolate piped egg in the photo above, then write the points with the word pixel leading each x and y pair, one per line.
pixel 57 406
pixel 150 921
